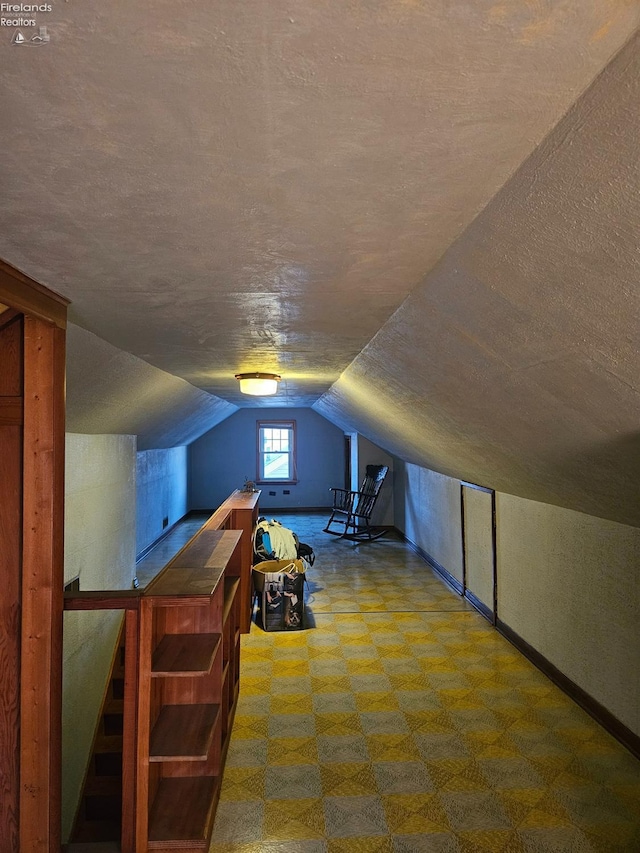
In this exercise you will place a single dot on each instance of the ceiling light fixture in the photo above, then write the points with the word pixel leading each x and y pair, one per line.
pixel 258 384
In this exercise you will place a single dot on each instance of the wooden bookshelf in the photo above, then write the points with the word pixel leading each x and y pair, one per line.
pixel 190 624
pixel 183 733
pixel 240 511
pixel 183 812
pixel 231 586
pixel 185 654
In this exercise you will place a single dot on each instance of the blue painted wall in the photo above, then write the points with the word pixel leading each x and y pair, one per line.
pixel 222 458
pixel 161 492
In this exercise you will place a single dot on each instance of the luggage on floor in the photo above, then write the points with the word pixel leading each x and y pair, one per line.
pixel 279 586
pixel 272 541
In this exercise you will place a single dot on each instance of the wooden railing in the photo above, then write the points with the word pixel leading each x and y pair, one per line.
pixel 238 512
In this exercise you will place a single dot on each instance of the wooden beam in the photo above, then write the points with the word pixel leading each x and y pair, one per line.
pixel 11 334
pixel 10 556
pixel 103 599
pixel 25 294
pixel 42 587
pixel 10 536
pixel 10 411
pixel 7 314
pixel 129 733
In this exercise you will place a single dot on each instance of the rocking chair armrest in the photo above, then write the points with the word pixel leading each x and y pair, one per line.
pixel 353 493
pixel 347 494
pixel 342 499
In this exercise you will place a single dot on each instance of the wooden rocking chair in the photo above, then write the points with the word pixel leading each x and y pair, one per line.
pixel 353 509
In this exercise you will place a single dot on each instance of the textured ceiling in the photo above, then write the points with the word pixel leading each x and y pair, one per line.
pixel 260 185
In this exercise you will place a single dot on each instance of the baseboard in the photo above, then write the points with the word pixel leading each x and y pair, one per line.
pixel 480 606
pixel 599 713
pixel 267 510
pixel 162 536
pixel 446 576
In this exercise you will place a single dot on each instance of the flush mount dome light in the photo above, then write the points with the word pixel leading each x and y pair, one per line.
pixel 258 384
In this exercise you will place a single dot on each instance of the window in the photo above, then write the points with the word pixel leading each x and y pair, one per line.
pixel 277 452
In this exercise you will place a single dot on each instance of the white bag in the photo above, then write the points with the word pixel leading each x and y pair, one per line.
pixel 284 545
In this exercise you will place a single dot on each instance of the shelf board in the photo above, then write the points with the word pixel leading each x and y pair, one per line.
pixel 197 569
pixel 183 733
pixel 182 811
pixel 230 588
pixel 185 654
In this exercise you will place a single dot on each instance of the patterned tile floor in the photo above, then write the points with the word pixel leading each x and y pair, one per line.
pixel 384 575
pixel 402 722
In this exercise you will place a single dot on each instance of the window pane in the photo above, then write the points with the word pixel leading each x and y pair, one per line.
pixel 276 466
pixel 276 452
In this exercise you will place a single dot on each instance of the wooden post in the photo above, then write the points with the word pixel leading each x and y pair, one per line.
pixel 42 587
pixel 130 728
pixel 11 332
pixel 32 340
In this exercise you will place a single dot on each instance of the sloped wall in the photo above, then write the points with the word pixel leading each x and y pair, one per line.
pixel 515 362
pixel 478 545
pixel 161 492
pixel 568 585
pixel 428 513
pixel 112 391
pixel 567 581
pixel 100 541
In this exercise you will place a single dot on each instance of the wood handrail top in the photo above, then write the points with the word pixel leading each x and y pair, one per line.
pixel 242 500
pixel 103 599
pixel 198 567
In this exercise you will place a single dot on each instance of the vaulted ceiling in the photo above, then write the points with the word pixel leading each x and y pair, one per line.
pixel 424 216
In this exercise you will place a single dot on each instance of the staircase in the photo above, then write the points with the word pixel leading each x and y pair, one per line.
pixel 100 809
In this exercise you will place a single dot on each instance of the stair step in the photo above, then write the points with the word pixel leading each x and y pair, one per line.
pixel 113 706
pixel 108 764
pixel 112 724
pixel 102 831
pixel 103 807
pixel 116 687
pixel 103 786
pixel 108 743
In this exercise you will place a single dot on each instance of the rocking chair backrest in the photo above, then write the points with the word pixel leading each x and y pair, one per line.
pixel 371 485
pixel 352 509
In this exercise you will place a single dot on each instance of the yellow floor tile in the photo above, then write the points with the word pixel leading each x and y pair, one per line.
pixel 293 819
pixel 415 813
pixel 291 750
pixel 376 702
pixel 382 844
pixel 348 780
pixel 392 748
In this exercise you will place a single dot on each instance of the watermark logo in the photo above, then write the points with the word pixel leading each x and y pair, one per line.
pixel 42 37
pixel 24 28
